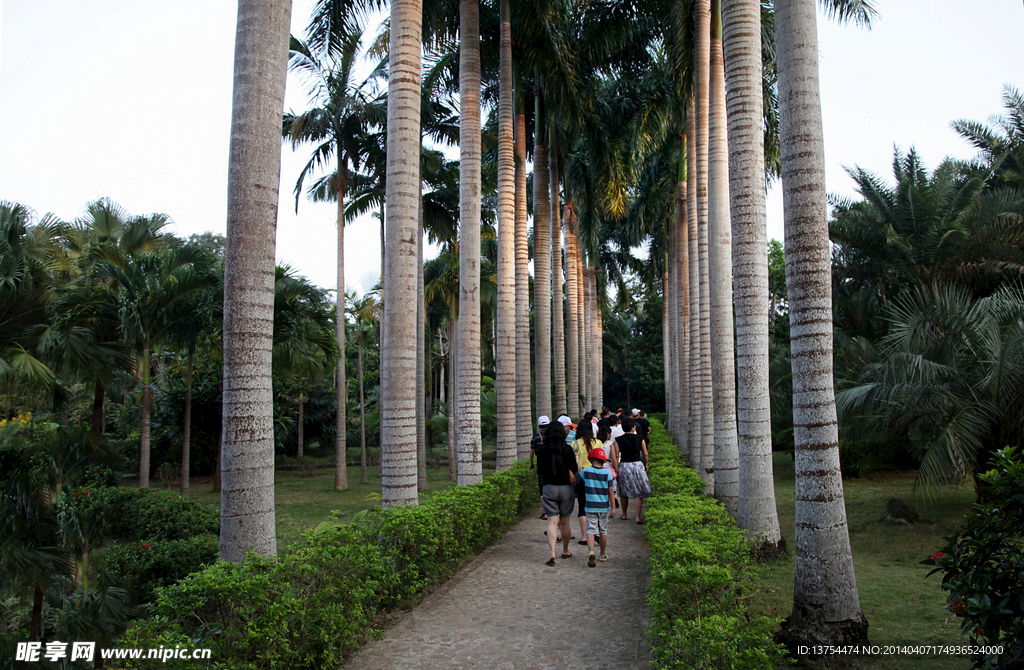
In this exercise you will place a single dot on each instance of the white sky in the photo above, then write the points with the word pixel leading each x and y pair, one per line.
pixel 131 99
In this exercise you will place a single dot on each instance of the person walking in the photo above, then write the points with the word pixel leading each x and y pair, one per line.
pixel 631 464
pixel 535 444
pixel 557 464
pixel 600 503
pixel 584 442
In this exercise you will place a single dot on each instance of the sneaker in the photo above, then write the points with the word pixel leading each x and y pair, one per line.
pixel 602 559
pixel 592 560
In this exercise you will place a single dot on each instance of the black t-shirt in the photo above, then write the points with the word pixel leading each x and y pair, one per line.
pixel 629 448
pixel 643 428
pixel 555 460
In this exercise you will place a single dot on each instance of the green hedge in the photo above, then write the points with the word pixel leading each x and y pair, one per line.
pixel 135 515
pixel 320 600
pixel 142 567
pixel 699 572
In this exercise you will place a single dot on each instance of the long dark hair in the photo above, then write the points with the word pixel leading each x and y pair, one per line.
pixel 585 432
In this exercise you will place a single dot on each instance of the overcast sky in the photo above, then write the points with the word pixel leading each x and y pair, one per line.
pixel 131 99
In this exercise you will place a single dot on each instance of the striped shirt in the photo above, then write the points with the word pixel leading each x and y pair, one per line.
pixel 595 486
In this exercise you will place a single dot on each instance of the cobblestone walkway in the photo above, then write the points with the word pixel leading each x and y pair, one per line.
pixel 508 611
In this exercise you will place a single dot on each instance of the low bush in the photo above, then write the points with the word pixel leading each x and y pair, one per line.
pixel 699 573
pixel 319 601
pixel 983 566
pixel 134 515
pixel 143 566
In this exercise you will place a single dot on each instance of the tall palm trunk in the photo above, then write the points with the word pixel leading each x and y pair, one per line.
pixel 696 390
pixel 466 459
pixel 505 372
pixel 144 437
pixel 594 340
pixel 702 12
pixel 599 344
pixel 572 323
pixel 666 337
pixel 186 424
pixel 524 428
pixel 742 44
pixel 673 367
pixel 723 367
pixel 826 608
pixel 453 403
pixel 421 350
pixel 298 428
pixel 561 402
pixel 341 418
pixel 682 304
pixel 254 175
pixel 581 319
pixel 398 367
pixel 363 478
pixel 585 335
pixel 541 269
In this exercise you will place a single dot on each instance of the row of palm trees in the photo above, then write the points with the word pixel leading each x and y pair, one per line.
pixel 588 183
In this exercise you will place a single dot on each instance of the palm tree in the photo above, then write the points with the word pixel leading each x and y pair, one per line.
pixel 398 397
pixel 757 513
pixel 254 173
pixel 723 371
pixel 696 414
pixel 826 607
pixel 337 122
pixel 148 290
pixel 506 332
pixel 541 267
pixel 524 429
pixel 558 339
pixel 468 402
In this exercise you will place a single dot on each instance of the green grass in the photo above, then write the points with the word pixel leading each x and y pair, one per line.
pixel 302 502
pixel 902 606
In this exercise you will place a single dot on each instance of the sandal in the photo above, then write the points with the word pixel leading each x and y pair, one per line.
pixel 581 541
pixel 550 562
pixel 566 555
pixel 623 517
pixel 640 521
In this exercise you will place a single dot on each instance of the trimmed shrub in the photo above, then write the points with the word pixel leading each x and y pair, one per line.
pixel 318 602
pixel 133 515
pixel 699 564
pixel 146 565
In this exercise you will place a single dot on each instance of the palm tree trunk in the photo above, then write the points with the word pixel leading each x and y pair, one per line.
pixel 524 428
pixel 588 332
pixel 453 400
pixel 505 373
pixel 702 12
pixel 723 368
pixel 363 478
pixel 541 269
pixel 421 350
pixel 341 418
pixel 593 339
pixel 673 366
pixel 96 421
pixel 144 438
pixel 666 340
pixel 826 607
pixel 581 317
pixel 299 428
pixel 466 424
pixel 186 427
pixel 696 390
pixel 599 344
pixel 757 513
pixel 682 304
pixel 571 306
pixel 254 175
pixel 557 295
pixel 398 367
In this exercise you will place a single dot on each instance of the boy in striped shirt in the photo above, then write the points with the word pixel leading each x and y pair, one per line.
pixel 600 502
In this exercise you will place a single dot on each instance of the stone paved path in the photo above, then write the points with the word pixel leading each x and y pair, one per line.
pixel 508 611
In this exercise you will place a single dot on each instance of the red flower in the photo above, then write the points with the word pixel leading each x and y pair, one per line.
pixel 938 557
pixel 980 631
pixel 957 605
pixel 146 546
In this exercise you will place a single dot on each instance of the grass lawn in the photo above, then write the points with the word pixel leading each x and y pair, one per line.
pixel 901 606
pixel 303 501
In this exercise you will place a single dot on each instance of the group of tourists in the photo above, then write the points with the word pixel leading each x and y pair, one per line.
pixel 596 466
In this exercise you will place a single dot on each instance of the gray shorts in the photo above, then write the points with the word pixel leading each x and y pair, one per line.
pixel 597 523
pixel 558 500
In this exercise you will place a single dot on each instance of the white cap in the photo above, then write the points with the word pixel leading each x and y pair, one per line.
pixel 635 412
pixel 564 420
pixel 543 420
